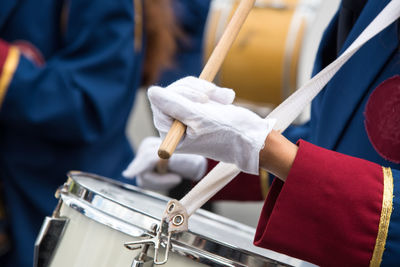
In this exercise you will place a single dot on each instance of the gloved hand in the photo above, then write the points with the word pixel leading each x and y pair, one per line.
pixel 216 129
pixel 188 166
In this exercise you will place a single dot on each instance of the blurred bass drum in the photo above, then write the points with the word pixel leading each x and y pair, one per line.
pixel 262 64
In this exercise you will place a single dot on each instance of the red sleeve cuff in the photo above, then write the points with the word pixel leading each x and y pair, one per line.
pixel 328 210
pixel 244 187
pixel 9 58
pixel 4 47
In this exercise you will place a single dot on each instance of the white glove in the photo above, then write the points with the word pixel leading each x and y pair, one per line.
pixel 215 128
pixel 181 166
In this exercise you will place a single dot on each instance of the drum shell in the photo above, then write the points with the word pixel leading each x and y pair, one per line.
pixel 262 64
pixel 88 243
pixel 102 214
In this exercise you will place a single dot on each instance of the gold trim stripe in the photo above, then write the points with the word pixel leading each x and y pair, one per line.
pixel 9 67
pixel 386 212
pixel 264 183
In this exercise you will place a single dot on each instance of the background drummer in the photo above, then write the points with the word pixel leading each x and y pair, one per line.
pixel 69 71
pixel 335 202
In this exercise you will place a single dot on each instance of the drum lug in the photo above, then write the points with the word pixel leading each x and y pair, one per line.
pixel 156 240
pixel 139 263
pixel 142 260
pixel 47 240
pixel 61 190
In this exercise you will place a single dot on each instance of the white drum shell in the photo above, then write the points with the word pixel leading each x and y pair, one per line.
pixel 87 243
pixel 103 214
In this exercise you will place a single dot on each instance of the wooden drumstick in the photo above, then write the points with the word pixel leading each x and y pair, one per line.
pixel 162 166
pixel 177 129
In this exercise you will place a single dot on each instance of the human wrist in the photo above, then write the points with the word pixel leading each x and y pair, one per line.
pixel 278 155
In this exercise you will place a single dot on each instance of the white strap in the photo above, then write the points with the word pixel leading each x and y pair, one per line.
pixel 286 112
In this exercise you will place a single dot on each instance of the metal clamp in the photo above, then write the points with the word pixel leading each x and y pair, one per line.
pixel 157 239
pixel 176 216
pixel 175 219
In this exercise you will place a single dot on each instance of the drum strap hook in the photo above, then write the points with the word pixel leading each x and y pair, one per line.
pixel 156 241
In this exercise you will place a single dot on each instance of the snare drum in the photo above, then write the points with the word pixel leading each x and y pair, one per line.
pixel 262 64
pixel 96 216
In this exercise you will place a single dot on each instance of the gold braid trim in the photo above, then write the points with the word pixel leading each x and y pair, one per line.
pixel 9 67
pixel 264 182
pixel 386 212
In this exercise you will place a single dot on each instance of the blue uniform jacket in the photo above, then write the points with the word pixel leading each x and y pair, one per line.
pixel 337 113
pixel 68 114
pixel 191 16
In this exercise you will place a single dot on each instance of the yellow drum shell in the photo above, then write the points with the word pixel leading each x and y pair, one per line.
pixel 261 66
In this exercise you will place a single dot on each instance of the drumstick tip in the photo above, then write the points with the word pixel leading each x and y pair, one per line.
pixel 164 154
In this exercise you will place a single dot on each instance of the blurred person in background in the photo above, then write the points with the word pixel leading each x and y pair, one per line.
pixel 69 71
pixel 188 61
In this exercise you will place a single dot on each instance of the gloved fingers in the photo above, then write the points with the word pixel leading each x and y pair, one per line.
pixel 145 159
pixel 199 90
pixel 190 93
pixel 222 95
pixel 161 121
pixel 189 166
pixel 187 91
pixel 199 118
pixel 165 102
pixel 157 182
pixel 149 142
pixel 138 166
pixel 129 172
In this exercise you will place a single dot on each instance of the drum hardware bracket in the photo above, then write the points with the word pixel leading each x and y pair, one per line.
pixel 47 241
pixel 176 216
pixel 156 240
pixel 142 259
pixel 61 190
pixel 174 220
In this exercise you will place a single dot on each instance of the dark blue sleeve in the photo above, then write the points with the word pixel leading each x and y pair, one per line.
pixel 87 86
pixel 191 16
pixel 296 132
